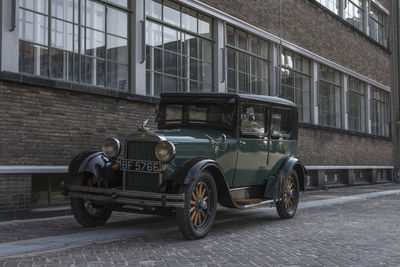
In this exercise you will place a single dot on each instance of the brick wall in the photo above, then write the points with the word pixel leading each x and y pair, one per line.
pixel 324 147
pixel 15 195
pixel 43 126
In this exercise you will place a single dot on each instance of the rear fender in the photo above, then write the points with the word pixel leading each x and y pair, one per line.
pixel 289 165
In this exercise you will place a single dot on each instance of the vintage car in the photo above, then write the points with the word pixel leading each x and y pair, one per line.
pixel 232 149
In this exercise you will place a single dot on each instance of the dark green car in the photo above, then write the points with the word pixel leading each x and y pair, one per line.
pixel 232 149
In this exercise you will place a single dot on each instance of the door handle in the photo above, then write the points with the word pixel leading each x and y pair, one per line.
pixel 242 142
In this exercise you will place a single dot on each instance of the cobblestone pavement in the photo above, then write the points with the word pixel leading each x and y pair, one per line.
pixel 362 233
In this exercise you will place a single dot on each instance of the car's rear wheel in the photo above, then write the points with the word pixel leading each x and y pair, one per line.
pixel 287 206
pixel 197 216
pixel 85 212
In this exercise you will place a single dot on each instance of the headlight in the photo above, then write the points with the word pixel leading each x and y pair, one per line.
pixel 165 151
pixel 111 147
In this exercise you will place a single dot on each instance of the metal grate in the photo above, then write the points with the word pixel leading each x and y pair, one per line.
pixel 141 181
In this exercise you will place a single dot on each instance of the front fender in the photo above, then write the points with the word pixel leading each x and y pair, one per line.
pixel 97 164
pixel 189 171
pixel 289 165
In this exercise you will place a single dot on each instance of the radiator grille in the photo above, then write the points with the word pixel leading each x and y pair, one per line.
pixel 141 181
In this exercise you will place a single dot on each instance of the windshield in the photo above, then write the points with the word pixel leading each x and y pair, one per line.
pixel 213 114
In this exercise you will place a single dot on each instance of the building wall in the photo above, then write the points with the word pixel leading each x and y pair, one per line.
pixel 313 28
pixel 45 126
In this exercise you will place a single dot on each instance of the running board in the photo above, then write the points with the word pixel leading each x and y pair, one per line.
pixel 265 202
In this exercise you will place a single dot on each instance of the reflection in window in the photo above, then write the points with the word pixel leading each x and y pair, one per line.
pixel 247 63
pixel 296 83
pixel 379 112
pixel 81 48
pixel 329 93
pixel 377 27
pixel 253 119
pixel 280 124
pixel 332 5
pixel 354 13
pixel 177 60
pixel 356 104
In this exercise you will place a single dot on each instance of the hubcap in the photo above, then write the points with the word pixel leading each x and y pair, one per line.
pixel 92 210
pixel 288 197
pixel 199 204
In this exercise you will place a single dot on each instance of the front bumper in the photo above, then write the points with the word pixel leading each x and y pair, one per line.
pixel 124 196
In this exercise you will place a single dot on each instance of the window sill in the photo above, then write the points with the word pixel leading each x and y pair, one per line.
pixel 74 87
pixel 342 131
pixel 367 37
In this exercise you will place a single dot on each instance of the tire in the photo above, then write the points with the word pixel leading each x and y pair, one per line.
pixel 84 212
pixel 197 216
pixel 287 207
pixel 396 176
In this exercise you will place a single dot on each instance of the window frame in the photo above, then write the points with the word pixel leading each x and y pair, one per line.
pixel 80 51
pixel 181 66
pixel 247 53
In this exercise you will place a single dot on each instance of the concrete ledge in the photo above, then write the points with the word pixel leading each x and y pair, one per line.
pixel 33 169
pixel 334 167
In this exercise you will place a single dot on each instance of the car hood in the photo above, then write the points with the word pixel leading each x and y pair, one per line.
pixel 192 142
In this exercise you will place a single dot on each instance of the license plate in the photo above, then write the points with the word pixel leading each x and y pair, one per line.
pixel 132 165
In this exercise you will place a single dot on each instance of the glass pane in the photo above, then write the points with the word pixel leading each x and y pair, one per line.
pixel 158 84
pixel 206 73
pixel 189 20
pixel 171 63
pixel 62 9
pixel 171 13
pixel 153 34
pixel 205 50
pixel 95 43
pixel 153 8
pixel 33 59
pixel 123 3
pixel 33 27
pixel 171 39
pixel 95 15
pixel 117 49
pixel 231 79
pixel 171 84
pixel 242 40
pixel 117 76
pixel 230 33
pixel 253 119
pixel 205 26
pixel 63 65
pixel 35 5
pixel 231 58
pixel 62 35
pixel 117 22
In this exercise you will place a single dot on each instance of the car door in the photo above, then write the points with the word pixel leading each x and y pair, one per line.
pixel 252 145
pixel 282 136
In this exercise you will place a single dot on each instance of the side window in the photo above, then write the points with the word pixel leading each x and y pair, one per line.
pixel 253 119
pixel 280 124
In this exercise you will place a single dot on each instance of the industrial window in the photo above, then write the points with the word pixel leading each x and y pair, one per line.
pixel 356 103
pixel 75 40
pixel 247 63
pixel 379 112
pixel 296 82
pixel 179 48
pixel 354 13
pixel 377 25
pixel 329 97
pixel 332 5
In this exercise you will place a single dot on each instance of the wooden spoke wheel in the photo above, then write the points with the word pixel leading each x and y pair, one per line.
pixel 196 218
pixel 287 207
pixel 85 212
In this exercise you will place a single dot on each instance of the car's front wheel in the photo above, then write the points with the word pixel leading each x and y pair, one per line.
pixel 197 216
pixel 85 212
pixel 287 206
